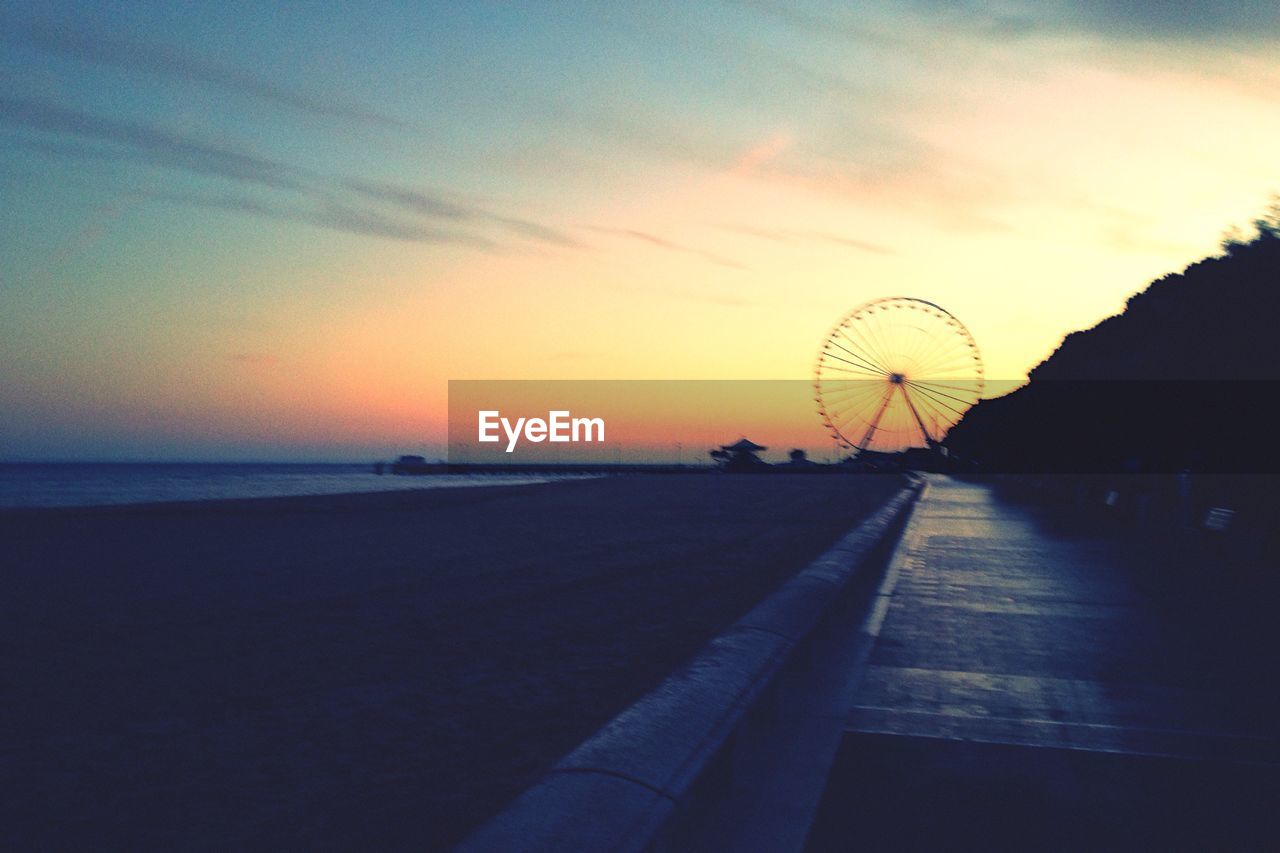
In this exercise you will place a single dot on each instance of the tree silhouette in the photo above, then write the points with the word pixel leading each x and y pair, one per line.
pixel 1174 381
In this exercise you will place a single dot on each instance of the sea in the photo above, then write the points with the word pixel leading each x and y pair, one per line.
pixel 100 484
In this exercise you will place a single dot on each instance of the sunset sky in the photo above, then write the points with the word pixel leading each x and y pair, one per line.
pixel 242 231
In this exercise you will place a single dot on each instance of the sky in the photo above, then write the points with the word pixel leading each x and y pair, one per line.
pixel 270 231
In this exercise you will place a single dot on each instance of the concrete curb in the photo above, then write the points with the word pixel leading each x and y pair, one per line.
pixel 618 789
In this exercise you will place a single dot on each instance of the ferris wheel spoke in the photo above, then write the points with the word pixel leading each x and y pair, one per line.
pixel 933 395
pixel 853 363
pixel 923 344
pixel 959 361
pixel 937 414
pixel 851 427
pixel 868 354
pixel 939 397
pixel 939 352
pixel 920 356
pixel 919 422
pixel 962 334
pixel 872 337
pixel 943 348
pixel 866 374
pixel 849 420
pixel 844 416
pixel 848 424
pixel 852 403
pixel 845 396
pixel 882 331
pixel 855 380
pixel 907 341
pixel 965 396
pixel 932 384
pixel 938 361
pixel 862 358
pixel 921 387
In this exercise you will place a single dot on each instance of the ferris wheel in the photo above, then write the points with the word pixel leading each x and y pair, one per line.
pixel 896 373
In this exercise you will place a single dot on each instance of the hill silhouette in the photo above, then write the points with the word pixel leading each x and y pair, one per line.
pixel 1183 379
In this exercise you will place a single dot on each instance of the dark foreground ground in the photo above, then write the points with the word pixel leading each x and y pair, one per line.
pixel 364 671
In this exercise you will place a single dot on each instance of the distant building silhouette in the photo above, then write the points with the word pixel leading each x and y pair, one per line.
pixel 740 456
pixel 797 458
pixel 410 465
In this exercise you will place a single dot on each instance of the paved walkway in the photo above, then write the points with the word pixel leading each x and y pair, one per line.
pixel 1022 692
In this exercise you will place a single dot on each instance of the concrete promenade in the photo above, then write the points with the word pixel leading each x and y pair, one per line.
pixel 1022 691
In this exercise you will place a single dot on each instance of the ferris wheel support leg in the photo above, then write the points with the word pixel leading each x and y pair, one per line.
pixel 928 439
pixel 875 422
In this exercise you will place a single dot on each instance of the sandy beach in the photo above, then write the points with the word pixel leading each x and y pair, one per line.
pixel 362 671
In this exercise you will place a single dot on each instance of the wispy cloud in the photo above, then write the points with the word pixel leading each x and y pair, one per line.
pixel 164 62
pixel 1139 20
pixel 792 236
pixel 1129 20
pixel 817 21
pixel 335 201
pixel 416 200
pixel 669 245
pixel 335 217
pixel 537 231
pixel 762 153
pixel 162 147
pixel 437 205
